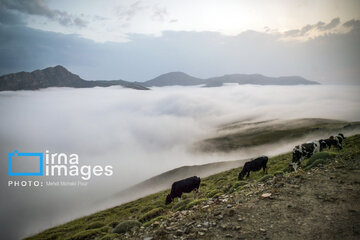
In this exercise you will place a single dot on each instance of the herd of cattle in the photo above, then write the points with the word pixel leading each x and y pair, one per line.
pixel 300 152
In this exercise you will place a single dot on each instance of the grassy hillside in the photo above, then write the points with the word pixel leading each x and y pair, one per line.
pixel 240 135
pixel 142 214
pixel 163 181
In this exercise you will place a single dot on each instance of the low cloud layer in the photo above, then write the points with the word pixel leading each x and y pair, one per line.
pixel 140 133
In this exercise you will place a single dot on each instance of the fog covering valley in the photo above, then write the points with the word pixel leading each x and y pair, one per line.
pixel 141 134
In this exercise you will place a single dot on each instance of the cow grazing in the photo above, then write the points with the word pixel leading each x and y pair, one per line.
pixel 186 185
pixel 335 141
pixel 323 144
pixel 341 135
pixel 305 150
pixel 253 165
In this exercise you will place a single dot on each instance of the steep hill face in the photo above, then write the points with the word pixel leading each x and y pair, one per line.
pixel 54 77
pixel 183 79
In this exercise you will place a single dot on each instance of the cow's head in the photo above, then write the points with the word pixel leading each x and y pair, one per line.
pixel 323 145
pixel 241 175
pixel 168 199
pixel 296 155
pixel 341 135
pixel 244 170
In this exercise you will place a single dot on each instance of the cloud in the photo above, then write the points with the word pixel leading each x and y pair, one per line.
pixel 353 24
pixel 40 8
pixel 140 134
pixel 159 14
pixel 127 13
pixel 334 23
pixel 331 58
pixel 312 30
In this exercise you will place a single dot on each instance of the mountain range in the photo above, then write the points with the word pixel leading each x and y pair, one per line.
pixel 183 79
pixel 59 76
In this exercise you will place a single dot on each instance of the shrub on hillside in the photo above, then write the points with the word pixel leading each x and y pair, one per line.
pixel 110 236
pixel 85 235
pixel 151 214
pixel 94 225
pixel 265 178
pixel 194 202
pixel 125 226
pixel 181 205
pixel 321 157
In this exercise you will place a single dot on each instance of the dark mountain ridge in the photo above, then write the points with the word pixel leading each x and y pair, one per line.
pixel 57 76
pixel 182 79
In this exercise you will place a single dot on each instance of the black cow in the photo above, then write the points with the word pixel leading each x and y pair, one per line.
pixel 324 144
pixel 334 141
pixel 341 135
pixel 253 165
pixel 303 151
pixel 183 186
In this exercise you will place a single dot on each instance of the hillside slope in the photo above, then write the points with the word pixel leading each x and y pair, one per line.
pixel 318 202
pixel 242 135
pixel 163 181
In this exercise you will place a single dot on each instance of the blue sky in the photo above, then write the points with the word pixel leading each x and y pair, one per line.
pixel 138 40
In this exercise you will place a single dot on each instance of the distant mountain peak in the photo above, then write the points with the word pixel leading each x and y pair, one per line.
pixel 173 78
pixel 57 76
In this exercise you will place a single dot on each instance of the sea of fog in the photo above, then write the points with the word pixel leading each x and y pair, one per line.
pixel 139 133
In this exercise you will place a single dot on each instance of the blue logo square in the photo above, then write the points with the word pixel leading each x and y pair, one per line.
pixel 16 153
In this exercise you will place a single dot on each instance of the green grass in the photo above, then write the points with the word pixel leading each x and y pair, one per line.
pixel 152 208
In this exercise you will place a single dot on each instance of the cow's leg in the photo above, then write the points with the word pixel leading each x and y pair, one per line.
pixel 196 192
pixel 295 166
pixel 301 159
pixel 248 174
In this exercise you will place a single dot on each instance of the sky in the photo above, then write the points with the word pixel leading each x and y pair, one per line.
pixel 139 40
